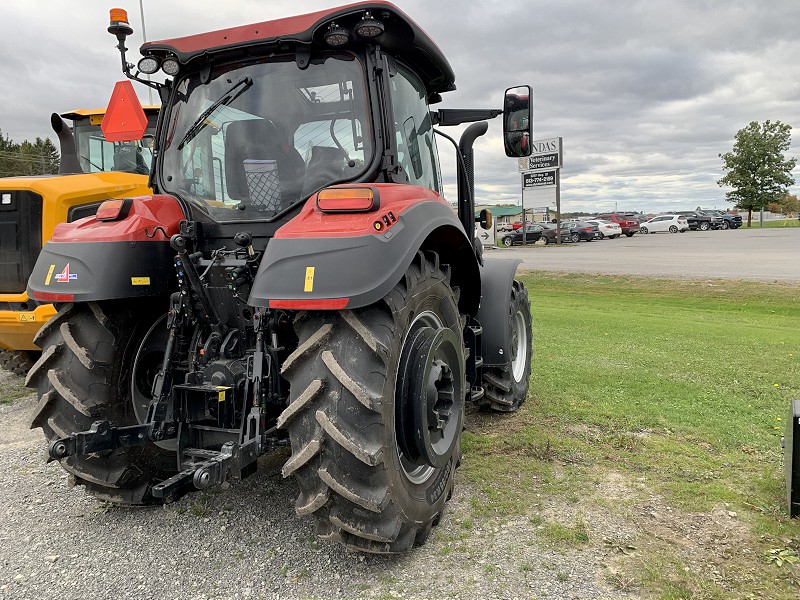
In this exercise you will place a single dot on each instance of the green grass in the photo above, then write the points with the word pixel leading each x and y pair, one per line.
pixel 684 386
pixel 771 224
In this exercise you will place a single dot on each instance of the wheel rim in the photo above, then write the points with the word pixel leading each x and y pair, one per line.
pixel 576 238
pixel 507 241
pixel 431 368
pixel 673 229
pixel 519 346
pixel 146 364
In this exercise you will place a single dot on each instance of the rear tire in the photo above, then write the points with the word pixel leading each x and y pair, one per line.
pixel 673 229
pixel 506 388
pixel 84 375
pixel 349 411
pixel 704 226
pixel 18 362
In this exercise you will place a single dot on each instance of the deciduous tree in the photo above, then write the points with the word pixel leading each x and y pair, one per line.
pixel 756 169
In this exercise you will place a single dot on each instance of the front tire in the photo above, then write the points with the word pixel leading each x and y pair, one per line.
pixel 371 477
pixel 508 241
pixel 506 388
pixel 643 230
pixel 725 225
pixel 575 238
pixel 85 374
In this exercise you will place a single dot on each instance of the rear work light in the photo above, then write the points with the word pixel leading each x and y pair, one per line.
pixel 348 199
pixel 114 210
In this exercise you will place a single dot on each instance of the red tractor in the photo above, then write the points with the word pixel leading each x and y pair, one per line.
pixel 296 279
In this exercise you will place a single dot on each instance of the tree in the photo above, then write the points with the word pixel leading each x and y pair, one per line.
pixel 790 204
pixel 756 168
pixel 38 158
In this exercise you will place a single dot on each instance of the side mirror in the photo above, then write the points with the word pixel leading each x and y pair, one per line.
pixel 517 121
pixel 485 218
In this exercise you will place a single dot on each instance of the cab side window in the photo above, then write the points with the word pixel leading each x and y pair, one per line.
pixel 416 146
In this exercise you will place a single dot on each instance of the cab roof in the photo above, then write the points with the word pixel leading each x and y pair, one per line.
pixel 402 38
pixel 81 113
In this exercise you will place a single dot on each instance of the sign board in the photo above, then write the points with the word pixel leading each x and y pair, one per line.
pixel 538 179
pixel 545 154
pixel 488 237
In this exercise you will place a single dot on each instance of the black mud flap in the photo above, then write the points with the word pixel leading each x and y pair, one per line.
pixel 791 450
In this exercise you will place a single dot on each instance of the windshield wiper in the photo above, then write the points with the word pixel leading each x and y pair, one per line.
pixel 224 100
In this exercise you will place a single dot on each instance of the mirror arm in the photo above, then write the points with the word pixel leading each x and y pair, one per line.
pixel 447 117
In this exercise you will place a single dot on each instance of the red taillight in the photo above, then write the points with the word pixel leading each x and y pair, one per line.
pixel 50 297
pixel 587 228
pixel 114 210
pixel 348 199
pixel 321 304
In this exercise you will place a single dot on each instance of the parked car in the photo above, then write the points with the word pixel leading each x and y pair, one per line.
pixel 533 233
pixel 607 229
pixel 581 230
pixel 669 223
pixel 729 221
pixel 626 221
pixel 699 220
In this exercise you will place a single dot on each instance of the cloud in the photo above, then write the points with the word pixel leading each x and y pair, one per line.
pixel 645 94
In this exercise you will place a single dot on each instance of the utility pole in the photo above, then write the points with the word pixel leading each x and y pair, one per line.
pixel 144 38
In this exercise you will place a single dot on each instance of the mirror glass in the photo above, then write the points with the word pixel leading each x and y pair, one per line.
pixel 517 121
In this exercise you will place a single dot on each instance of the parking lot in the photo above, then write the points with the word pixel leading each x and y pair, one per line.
pixel 752 254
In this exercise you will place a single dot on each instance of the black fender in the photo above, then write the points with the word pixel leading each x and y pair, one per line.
pixel 497 277
pixel 360 270
pixel 791 449
pixel 91 271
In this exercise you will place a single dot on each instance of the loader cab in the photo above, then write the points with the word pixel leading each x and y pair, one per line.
pixel 98 155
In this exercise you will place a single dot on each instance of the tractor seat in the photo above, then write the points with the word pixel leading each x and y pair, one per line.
pixel 262 168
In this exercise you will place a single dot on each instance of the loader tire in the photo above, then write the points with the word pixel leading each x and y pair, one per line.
pixel 18 362
pixel 84 375
pixel 506 388
pixel 361 380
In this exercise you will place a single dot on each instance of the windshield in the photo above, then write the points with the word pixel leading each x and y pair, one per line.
pixel 97 155
pixel 259 138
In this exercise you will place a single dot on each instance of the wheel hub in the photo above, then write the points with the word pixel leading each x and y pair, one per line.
pixel 429 389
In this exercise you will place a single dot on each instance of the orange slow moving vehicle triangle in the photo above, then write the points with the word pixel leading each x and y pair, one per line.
pixel 124 120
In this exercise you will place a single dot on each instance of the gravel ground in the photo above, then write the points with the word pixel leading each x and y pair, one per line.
pixel 245 541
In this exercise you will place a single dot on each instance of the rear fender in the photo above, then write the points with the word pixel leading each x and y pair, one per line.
pixel 91 260
pixel 346 261
pixel 497 277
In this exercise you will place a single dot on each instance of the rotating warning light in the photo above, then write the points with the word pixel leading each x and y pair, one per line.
pixel 348 199
pixel 119 24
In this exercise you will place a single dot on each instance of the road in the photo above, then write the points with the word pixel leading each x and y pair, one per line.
pixel 751 254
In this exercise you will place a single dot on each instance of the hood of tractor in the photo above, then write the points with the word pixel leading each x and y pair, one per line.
pixel 401 38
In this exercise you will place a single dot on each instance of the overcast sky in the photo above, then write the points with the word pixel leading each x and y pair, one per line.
pixel 645 95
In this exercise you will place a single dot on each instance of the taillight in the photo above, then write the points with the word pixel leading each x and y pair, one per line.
pixel 348 199
pixel 587 228
pixel 114 210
